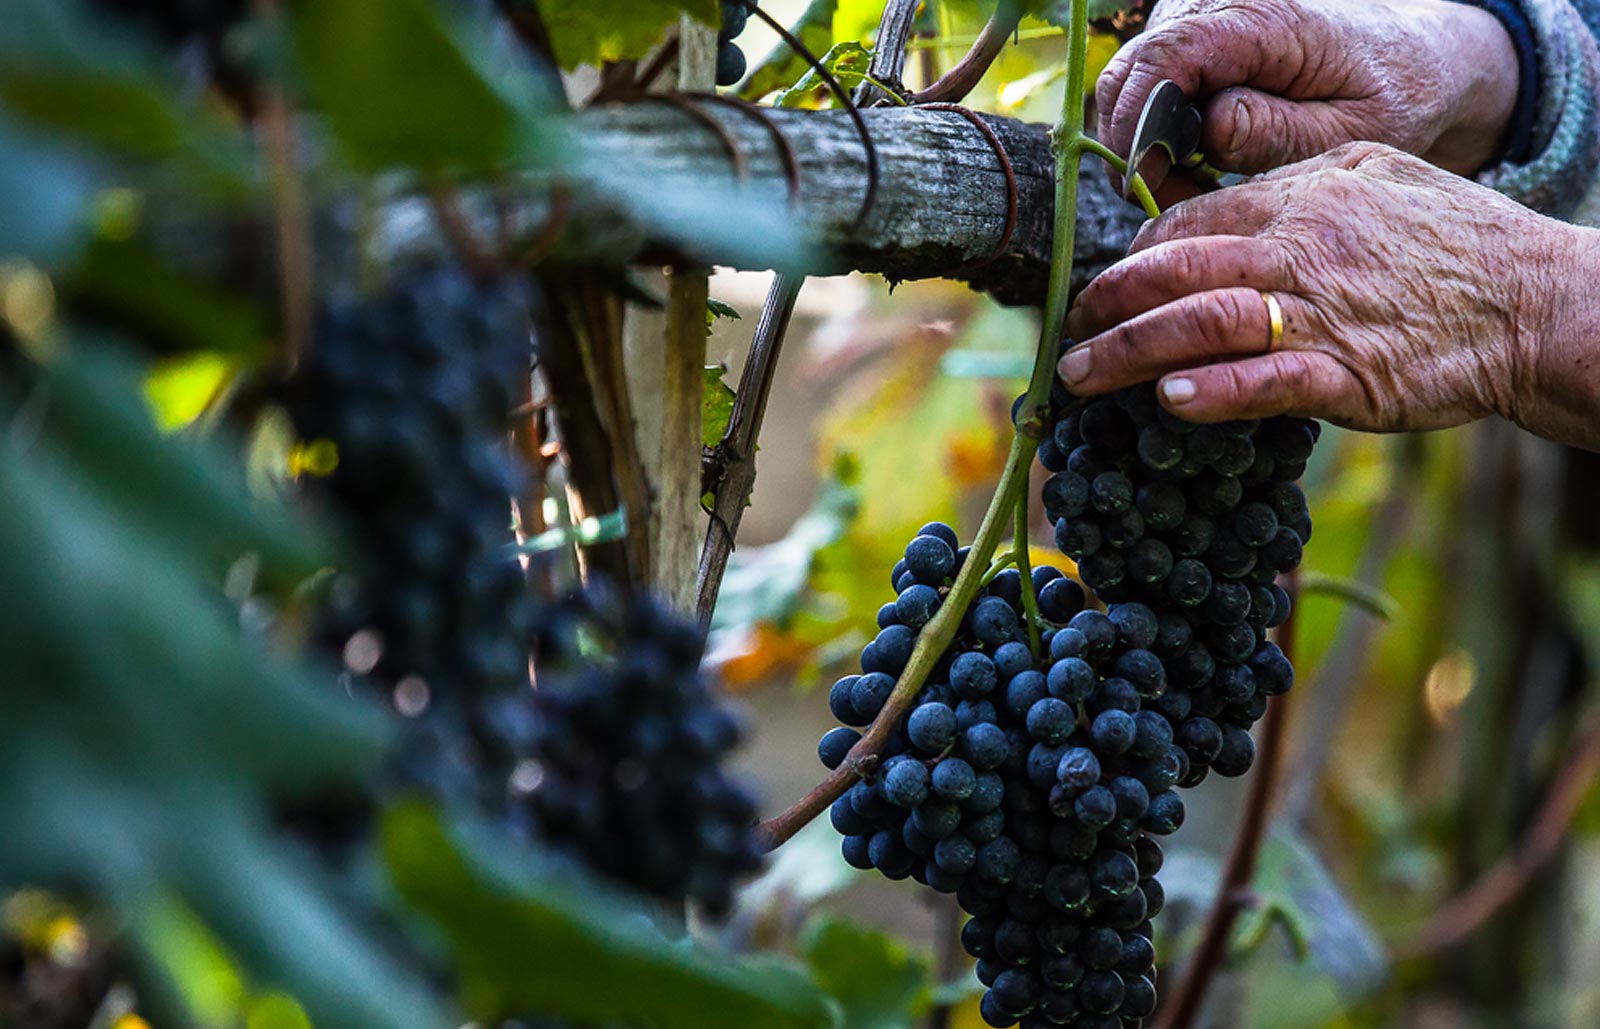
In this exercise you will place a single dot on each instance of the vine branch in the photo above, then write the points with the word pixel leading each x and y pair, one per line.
pixel 954 85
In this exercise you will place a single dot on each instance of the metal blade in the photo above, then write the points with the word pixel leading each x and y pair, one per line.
pixel 1168 121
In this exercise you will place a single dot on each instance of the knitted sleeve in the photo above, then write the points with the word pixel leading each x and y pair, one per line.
pixel 1555 169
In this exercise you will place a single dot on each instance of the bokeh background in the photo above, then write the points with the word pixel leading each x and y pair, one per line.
pixel 1433 859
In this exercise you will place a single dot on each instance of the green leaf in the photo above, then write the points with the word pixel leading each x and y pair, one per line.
pixel 878 982
pixel 128 284
pixel 847 61
pixel 533 938
pixel 718 309
pixel 148 742
pixel 592 31
pixel 43 194
pixel 716 404
pixel 398 90
pixel 80 78
pixel 783 65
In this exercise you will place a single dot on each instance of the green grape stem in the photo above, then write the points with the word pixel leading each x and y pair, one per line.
pixel 1068 144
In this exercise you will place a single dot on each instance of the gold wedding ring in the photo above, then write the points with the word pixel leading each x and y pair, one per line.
pixel 1275 320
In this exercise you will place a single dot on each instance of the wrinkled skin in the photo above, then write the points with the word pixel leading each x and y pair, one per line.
pixel 1280 81
pixel 1412 299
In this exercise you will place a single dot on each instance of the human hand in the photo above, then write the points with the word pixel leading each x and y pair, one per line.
pixel 1411 298
pixel 1280 81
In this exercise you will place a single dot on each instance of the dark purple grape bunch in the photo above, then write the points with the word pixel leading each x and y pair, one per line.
pixel 1029 786
pixel 1196 522
pixel 402 407
pixel 622 764
pixel 731 63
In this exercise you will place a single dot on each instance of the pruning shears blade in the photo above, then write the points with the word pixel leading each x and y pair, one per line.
pixel 1169 121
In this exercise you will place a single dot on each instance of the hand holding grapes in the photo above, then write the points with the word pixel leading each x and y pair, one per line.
pixel 1283 80
pixel 1411 299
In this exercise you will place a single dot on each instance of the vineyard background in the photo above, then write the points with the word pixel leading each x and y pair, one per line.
pixel 1444 727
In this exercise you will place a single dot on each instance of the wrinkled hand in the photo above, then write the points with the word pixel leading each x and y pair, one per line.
pixel 1284 80
pixel 1412 299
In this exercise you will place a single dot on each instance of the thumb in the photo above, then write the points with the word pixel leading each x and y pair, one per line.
pixel 1250 131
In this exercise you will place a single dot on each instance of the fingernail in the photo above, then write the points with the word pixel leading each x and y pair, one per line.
pixel 1075 323
pixel 1178 391
pixel 1075 366
pixel 1241 127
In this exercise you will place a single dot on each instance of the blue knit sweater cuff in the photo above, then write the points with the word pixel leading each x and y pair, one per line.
pixel 1518 144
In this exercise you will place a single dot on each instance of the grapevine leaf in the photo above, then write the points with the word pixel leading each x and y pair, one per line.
pixel 878 982
pixel 63 72
pixel 847 61
pixel 592 31
pixel 716 405
pixel 719 309
pixel 398 90
pixel 538 938
pixel 783 65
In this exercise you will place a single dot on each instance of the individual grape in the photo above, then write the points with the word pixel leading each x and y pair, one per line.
pixel 868 695
pixel 1111 493
pixel 973 675
pixel 917 606
pixel 1114 694
pixel 1113 731
pixel 731 63
pixel 835 744
pixel 984 746
pixel 1273 672
pixel 1065 495
pixel 1078 538
pixel 1071 679
pixel 994 622
pixel 930 559
pixel 954 780
pixel 1050 720
pixel 1060 600
pixel 906 784
pixel 932 727
pixel 1189 583
pixel 1095 807
pixel 1237 753
pixel 1165 814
